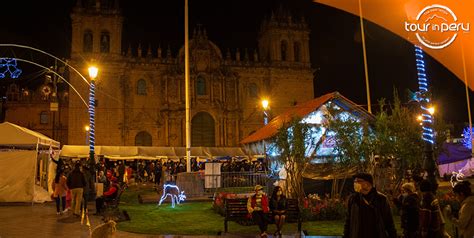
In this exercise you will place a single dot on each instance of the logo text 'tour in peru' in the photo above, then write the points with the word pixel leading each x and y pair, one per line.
pixel 436 26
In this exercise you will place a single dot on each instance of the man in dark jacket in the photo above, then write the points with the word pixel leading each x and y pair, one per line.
pixel 368 211
pixel 76 182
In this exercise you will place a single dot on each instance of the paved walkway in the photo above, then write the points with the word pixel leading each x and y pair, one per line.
pixel 41 221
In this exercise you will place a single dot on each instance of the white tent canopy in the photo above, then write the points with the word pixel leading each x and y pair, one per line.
pixel 150 152
pixel 24 164
pixel 17 179
pixel 14 135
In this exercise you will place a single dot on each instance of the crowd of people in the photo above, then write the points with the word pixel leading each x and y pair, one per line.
pixel 369 213
pixel 74 184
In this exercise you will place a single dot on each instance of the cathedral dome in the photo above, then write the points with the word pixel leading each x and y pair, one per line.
pixel 203 53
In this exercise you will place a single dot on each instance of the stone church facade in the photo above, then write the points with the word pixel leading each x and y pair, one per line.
pixel 140 97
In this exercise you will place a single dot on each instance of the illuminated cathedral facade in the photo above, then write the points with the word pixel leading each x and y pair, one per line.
pixel 140 96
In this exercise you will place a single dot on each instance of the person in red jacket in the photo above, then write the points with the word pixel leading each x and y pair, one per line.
pixel 257 206
pixel 109 195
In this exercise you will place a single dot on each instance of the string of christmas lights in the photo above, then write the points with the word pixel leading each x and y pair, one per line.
pixel 423 97
pixel 92 116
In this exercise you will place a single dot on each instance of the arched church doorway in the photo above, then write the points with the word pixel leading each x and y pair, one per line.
pixel 203 130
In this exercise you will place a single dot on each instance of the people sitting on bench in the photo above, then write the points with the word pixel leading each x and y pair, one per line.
pixel 108 196
pixel 278 206
pixel 257 206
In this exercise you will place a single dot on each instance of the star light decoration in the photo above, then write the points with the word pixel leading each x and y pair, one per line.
pixel 8 66
pixel 173 192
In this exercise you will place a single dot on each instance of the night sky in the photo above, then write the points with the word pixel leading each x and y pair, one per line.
pixel 336 51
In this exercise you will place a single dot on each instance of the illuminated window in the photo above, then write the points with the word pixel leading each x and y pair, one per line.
pixel 88 39
pixel 141 87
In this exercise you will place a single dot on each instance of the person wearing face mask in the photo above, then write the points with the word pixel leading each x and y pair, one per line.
pixel 408 204
pixel 278 206
pixel 368 211
pixel 257 206
pixel 465 222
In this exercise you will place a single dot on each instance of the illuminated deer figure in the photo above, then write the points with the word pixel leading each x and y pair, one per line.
pixel 173 192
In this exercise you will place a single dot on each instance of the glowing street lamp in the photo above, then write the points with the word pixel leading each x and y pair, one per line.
pixel 431 110
pixel 87 129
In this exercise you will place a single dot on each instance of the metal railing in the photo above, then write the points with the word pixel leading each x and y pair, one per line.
pixel 236 179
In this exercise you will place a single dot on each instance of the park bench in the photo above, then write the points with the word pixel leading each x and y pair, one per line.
pixel 114 203
pixel 236 210
pixel 112 211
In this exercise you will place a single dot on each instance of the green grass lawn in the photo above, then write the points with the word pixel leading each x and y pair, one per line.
pixel 198 218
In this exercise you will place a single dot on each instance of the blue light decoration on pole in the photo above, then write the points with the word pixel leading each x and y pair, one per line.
pixel 93 71
pixel 265 107
pixel 265 111
pixel 8 66
pixel 427 111
pixel 422 96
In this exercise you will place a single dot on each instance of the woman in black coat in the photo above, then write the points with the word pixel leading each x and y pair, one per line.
pixel 278 206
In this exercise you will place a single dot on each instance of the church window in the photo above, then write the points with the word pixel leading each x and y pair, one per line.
pixel 253 90
pixel 44 117
pixel 104 42
pixel 284 49
pixel 141 87
pixel 297 52
pixel 88 38
pixel 201 86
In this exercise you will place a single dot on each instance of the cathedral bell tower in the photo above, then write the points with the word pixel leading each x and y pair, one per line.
pixel 284 40
pixel 96 28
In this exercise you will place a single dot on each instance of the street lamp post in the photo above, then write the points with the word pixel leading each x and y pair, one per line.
pixel 265 106
pixel 429 163
pixel 93 71
pixel 423 97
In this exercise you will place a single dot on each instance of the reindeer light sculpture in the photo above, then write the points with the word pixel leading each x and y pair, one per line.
pixel 173 192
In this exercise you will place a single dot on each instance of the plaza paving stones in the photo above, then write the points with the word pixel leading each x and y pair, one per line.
pixel 41 221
